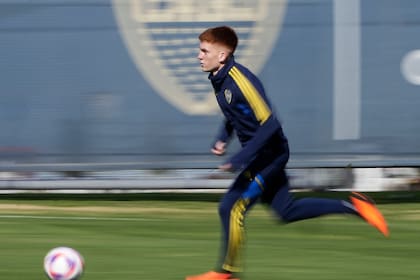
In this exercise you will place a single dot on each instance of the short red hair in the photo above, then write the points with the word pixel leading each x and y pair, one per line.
pixel 223 35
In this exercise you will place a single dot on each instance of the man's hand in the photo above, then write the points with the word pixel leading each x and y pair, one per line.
pixel 219 148
pixel 226 167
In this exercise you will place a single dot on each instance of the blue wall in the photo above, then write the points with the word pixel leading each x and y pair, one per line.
pixel 71 91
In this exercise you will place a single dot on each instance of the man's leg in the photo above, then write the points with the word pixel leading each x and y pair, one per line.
pixel 232 210
pixel 291 209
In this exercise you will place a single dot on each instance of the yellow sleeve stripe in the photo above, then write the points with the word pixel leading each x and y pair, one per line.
pixel 257 103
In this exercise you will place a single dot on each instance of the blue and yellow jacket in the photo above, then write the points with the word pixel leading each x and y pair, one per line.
pixel 248 112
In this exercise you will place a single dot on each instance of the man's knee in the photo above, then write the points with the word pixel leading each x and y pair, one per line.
pixel 284 214
pixel 224 209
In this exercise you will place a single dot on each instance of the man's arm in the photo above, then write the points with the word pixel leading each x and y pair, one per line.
pixel 247 153
pixel 223 137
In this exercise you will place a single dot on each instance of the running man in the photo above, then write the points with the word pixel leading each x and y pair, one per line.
pixel 263 156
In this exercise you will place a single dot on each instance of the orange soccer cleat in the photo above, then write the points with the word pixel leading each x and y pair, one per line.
pixel 368 211
pixel 212 275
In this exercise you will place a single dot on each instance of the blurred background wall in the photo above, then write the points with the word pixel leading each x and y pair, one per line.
pixel 100 84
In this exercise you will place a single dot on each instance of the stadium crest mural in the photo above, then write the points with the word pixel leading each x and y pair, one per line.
pixel 161 37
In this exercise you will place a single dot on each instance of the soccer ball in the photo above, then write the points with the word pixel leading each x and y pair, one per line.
pixel 63 263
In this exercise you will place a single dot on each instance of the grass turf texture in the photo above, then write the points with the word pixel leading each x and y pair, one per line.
pixel 170 236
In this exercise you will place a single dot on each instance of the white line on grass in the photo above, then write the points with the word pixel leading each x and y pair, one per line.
pixel 75 218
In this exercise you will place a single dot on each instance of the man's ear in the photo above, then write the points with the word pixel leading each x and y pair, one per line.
pixel 223 56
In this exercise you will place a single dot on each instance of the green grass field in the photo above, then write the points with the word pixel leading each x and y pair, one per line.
pixel 128 237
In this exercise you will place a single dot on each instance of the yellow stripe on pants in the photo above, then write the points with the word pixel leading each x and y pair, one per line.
pixel 233 260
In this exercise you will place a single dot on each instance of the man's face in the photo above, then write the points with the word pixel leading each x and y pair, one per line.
pixel 211 56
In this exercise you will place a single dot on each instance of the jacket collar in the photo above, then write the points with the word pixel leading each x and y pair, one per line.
pixel 220 76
